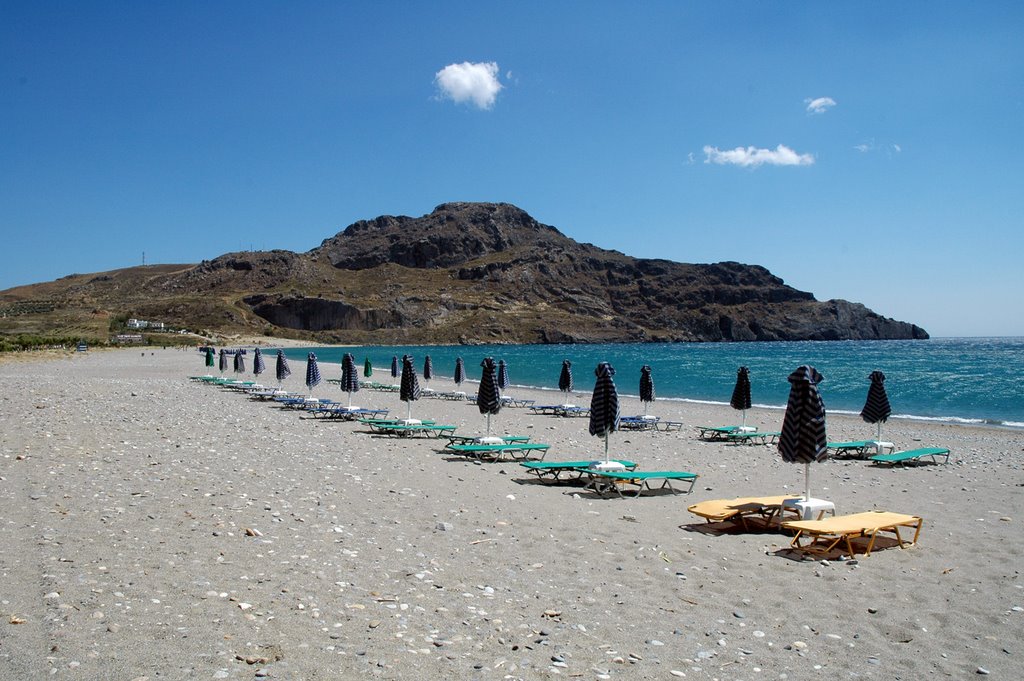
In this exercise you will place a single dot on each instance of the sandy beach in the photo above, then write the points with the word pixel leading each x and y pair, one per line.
pixel 158 528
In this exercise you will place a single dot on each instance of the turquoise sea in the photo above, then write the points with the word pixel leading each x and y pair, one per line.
pixel 967 380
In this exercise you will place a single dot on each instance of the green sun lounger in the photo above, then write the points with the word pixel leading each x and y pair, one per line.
pixel 551 471
pixel 519 451
pixel 413 429
pixel 607 481
pixel 715 432
pixel 857 448
pixel 751 438
pixel 475 439
pixel 912 455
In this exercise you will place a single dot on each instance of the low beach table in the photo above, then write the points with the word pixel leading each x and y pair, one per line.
pixel 809 509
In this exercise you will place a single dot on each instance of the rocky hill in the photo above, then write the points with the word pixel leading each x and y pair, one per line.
pixel 465 273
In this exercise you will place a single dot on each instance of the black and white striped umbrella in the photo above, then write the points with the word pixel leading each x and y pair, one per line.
pixel 409 391
pixel 604 405
pixel 428 368
pixel 210 361
pixel 488 399
pixel 258 365
pixel 312 373
pixel 283 371
pixel 394 366
pixel 503 382
pixel 646 387
pixel 349 376
pixel 460 371
pixel 223 360
pixel 565 379
pixel 239 362
pixel 803 438
pixel 741 393
pixel 876 408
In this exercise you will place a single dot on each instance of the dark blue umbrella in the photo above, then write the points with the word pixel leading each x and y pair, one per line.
pixel 460 371
pixel 503 382
pixel 223 360
pixel 312 373
pixel 741 393
pixel 349 376
pixel 409 390
pixel 488 399
pixel 209 357
pixel 803 437
pixel 646 387
pixel 428 368
pixel 394 366
pixel 565 379
pixel 258 367
pixel 239 362
pixel 604 405
pixel 283 370
pixel 876 408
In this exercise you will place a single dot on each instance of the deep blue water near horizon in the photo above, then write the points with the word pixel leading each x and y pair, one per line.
pixel 967 380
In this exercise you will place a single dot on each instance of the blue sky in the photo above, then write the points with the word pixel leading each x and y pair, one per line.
pixel 866 151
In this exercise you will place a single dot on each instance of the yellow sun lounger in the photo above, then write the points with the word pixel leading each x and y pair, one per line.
pixel 824 535
pixel 719 510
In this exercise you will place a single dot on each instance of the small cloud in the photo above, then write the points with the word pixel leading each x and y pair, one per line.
pixel 819 105
pixel 888 148
pixel 863 148
pixel 754 157
pixel 467 82
pixel 897 148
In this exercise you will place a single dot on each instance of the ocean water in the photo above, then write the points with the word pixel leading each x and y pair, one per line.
pixel 968 380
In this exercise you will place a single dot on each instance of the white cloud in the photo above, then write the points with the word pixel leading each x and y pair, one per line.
pixel 467 82
pixel 889 148
pixel 754 157
pixel 819 105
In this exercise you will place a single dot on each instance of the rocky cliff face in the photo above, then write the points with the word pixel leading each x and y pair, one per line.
pixel 476 273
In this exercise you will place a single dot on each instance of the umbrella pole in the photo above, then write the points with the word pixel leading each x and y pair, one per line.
pixel 878 439
pixel 744 418
pixel 349 399
pixel 606 459
pixel 408 412
pixel 807 482
pixel 488 424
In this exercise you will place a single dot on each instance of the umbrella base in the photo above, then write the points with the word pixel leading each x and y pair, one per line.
pixel 809 509
pixel 746 429
pixel 410 422
pixel 490 440
pixel 607 466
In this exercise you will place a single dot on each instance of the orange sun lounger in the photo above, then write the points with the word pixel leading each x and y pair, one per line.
pixel 719 510
pixel 824 535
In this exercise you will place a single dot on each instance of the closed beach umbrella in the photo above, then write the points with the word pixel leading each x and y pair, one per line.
pixel 349 376
pixel 258 366
pixel 503 382
pixel 604 405
pixel 367 368
pixel 394 366
pixel 239 362
pixel 428 368
pixel 488 399
pixel 283 371
pixel 460 371
pixel 312 373
pixel 223 360
pixel 409 390
pixel 565 379
pixel 741 393
pixel 646 387
pixel 876 408
pixel 803 427
pixel 209 357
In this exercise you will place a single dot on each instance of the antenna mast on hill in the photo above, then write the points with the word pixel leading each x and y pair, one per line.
pixel 143 258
